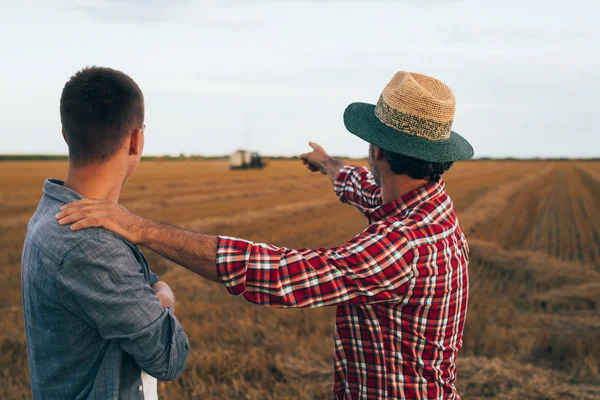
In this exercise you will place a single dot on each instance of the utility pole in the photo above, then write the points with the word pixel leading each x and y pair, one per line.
pixel 247 130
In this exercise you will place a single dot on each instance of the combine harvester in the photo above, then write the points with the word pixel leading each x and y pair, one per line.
pixel 243 159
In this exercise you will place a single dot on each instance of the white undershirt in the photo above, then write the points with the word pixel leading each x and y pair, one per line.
pixel 149 384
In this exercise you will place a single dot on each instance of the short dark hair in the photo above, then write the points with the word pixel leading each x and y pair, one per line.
pixel 98 107
pixel 416 169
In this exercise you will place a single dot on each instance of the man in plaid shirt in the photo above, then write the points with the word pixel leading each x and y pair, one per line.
pixel 400 286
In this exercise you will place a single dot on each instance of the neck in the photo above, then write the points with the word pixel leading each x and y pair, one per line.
pixel 96 181
pixel 394 186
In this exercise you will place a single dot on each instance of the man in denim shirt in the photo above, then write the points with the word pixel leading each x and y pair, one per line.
pixel 97 319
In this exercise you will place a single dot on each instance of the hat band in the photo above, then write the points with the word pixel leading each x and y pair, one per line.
pixel 411 124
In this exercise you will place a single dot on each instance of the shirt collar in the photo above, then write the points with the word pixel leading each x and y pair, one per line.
pixel 56 189
pixel 428 192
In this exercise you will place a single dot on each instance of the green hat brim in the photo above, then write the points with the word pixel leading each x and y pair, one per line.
pixel 360 119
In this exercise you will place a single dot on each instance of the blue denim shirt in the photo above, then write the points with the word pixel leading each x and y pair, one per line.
pixel 92 318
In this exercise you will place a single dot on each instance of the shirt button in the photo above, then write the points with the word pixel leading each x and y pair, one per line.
pixel 141 388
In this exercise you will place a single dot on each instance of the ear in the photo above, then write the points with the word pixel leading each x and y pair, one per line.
pixel 64 136
pixel 378 153
pixel 135 142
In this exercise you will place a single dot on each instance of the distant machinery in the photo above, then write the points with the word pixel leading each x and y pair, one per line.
pixel 243 159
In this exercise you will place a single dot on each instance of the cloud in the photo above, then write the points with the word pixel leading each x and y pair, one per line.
pixel 512 33
pixel 137 11
pixel 249 87
pixel 205 14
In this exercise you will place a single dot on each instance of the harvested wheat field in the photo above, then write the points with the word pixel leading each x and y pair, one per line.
pixel 533 325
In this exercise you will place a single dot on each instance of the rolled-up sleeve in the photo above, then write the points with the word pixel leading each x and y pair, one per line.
pixel 153 278
pixel 371 268
pixel 355 185
pixel 101 280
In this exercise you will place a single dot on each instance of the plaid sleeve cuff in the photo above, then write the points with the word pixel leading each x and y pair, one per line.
pixel 343 179
pixel 232 260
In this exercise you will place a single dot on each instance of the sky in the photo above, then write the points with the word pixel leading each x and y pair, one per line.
pixel 271 75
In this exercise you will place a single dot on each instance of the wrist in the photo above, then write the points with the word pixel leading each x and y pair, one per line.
pixel 333 162
pixel 333 166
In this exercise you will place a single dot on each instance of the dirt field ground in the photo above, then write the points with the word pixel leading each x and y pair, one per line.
pixel 533 325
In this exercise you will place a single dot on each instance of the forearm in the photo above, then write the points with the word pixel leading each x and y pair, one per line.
pixel 161 349
pixel 194 251
pixel 332 166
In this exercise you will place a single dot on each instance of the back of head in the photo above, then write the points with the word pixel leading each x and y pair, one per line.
pixel 98 109
pixel 415 168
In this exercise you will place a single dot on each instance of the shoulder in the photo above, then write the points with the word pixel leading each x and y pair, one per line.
pixel 413 232
pixel 55 241
pixel 98 262
pixel 423 228
pixel 97 245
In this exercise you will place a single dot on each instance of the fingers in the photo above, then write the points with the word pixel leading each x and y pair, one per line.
pixel 84 202
pixel 87 223
pixel 308 157
pixel 71 218
pixel 69 211
pixel 81 209
pixel 311 167
pixel 314 146
pixel 307 164
pixel 76 216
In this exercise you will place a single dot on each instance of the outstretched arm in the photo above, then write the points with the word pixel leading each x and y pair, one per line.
pixel 353 184
pixel 194 251
pixel 319 160
pixel 370 268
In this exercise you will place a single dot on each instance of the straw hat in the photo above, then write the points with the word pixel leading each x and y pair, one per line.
pixel 413 117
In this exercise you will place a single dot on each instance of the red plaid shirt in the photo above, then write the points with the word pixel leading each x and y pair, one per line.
pixel 400 288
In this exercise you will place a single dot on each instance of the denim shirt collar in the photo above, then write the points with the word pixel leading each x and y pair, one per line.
pixel 56 189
